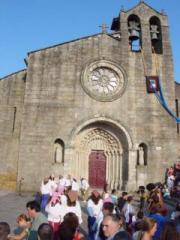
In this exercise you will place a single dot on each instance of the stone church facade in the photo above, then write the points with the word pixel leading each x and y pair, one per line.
pixel 83 107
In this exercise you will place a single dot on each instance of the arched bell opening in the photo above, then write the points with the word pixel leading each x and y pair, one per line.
pixel 156 35
pixel 134 30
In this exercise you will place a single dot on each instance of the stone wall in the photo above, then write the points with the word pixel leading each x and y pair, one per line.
pixel 11 105
pixel 53 104
pixel 56 104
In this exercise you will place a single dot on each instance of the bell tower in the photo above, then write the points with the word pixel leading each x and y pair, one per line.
pixel 142 27
pixel 145 52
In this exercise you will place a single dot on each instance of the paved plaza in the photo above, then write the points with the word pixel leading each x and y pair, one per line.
pixel 12 204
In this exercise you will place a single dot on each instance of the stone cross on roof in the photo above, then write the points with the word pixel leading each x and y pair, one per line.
pixel 104 28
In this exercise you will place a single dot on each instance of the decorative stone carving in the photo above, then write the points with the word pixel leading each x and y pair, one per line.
pixel 100 139
pixel 58 153
pixel 104 80
pixel 141 156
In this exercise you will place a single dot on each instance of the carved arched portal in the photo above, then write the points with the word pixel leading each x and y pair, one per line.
pixel 105 139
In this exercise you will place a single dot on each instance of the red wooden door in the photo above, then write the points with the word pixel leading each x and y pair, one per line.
pixel 97 169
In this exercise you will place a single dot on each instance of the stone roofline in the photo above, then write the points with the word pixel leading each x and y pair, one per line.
pixel 56 45
pixel 11 74
pixel 94 35
pixel 74 40
pixel 144 3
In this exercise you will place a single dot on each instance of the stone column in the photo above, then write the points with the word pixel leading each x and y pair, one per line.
pixel 132 185
pixel 110 168
pixel 86 161
pixel 120 169
pixel 84 164
pixel 113 169
pixel 76 165
pixel 107 166
pixel 116 169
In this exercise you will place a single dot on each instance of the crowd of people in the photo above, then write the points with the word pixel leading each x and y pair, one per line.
pixel 56 214
pixel 172 181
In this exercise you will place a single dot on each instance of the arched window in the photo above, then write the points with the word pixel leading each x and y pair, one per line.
pixel 142 155
pixel 156 35
pixel 134 30
pixel 58 151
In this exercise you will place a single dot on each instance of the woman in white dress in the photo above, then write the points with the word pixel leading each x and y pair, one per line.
pixel 94 209
pixel 55 212
pixel 73 205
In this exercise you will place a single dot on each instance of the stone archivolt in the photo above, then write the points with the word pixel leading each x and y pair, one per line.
pixel 99 139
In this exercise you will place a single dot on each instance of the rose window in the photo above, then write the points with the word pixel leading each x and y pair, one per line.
pixel 103 80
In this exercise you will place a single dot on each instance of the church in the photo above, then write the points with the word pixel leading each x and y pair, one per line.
pixel 89 108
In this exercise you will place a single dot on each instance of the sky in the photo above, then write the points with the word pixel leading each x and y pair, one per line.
pixel 28 25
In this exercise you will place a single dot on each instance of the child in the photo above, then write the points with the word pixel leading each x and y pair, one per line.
pixel 23 228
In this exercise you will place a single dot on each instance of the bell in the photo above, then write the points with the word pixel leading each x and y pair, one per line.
pixel 154 33
pixel 133 35
pixel 154 36
pixel 133 30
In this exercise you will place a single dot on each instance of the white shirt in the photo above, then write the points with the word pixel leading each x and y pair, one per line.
pixel 68 182
pixel 94 210
pixel 84 184
pixel 63 200
pixel 75 186
pixel 127 209
pixel 55 213
pixel 45 188
pixel 53 186
pixel 75 209
pixel 62 181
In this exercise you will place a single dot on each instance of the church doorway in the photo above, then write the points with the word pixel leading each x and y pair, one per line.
pixel 97 169
pixel 100 153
